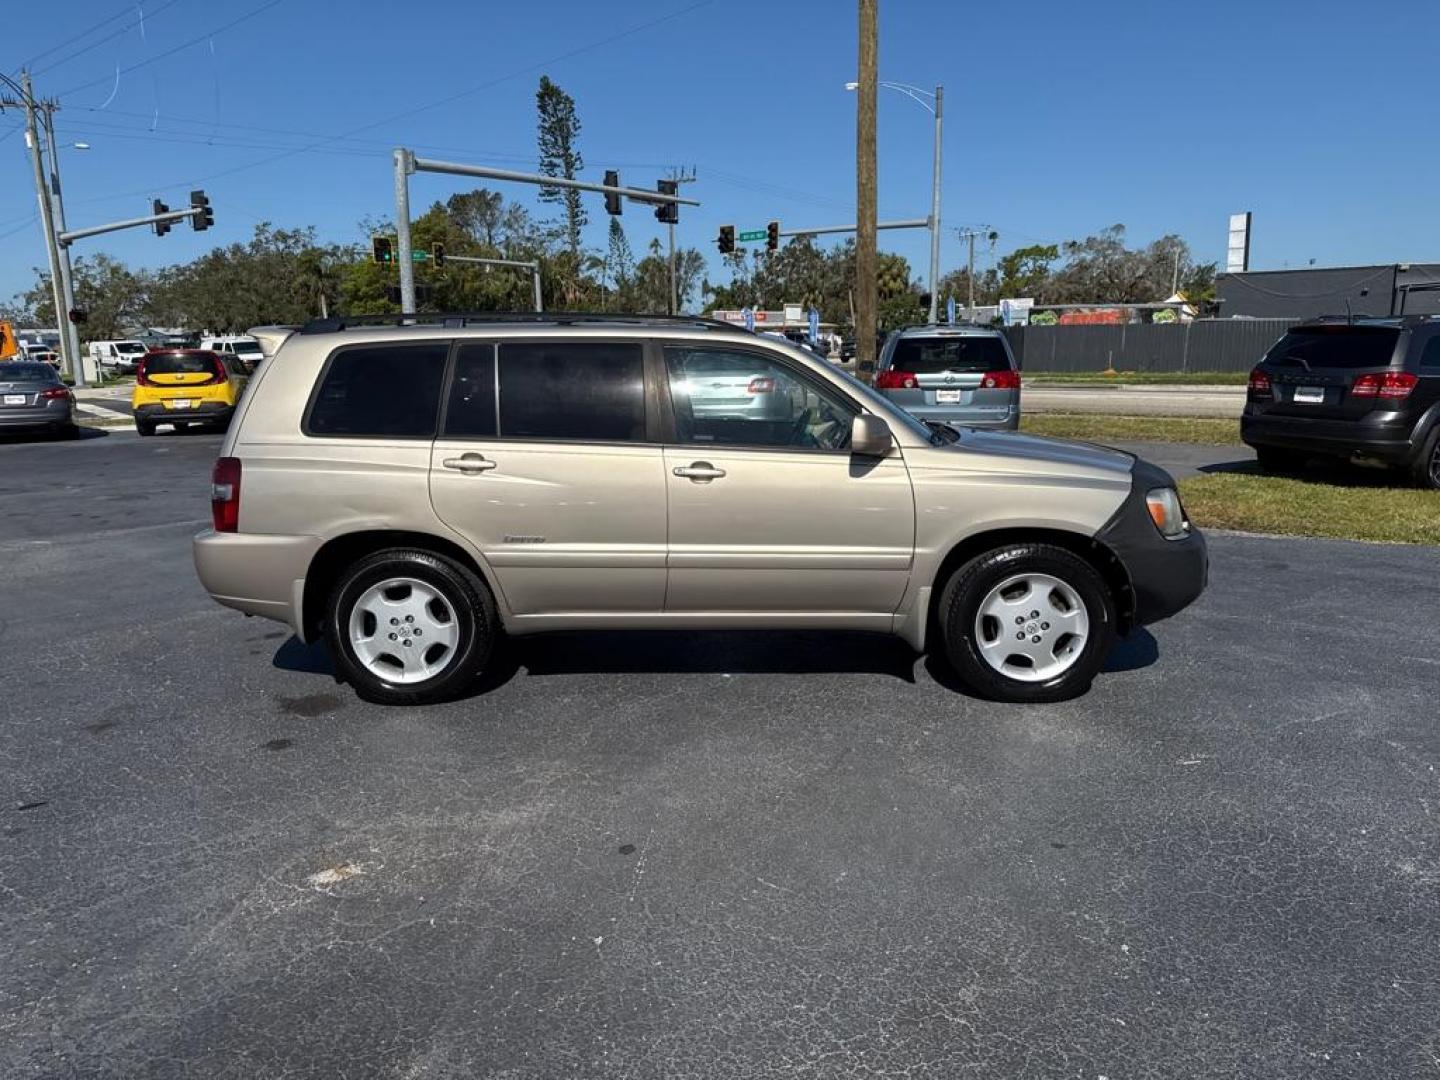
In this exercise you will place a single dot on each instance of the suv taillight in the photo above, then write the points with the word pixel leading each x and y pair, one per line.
pixel 225 494
pixel 1386 384
pixel 221 375
pixel 890 379
pixel 1259 384
pixel 1000 380
pixel 140 377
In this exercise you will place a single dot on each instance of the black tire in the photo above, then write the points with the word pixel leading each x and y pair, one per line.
pixel 145 427
pixel 468 599
pixel 971 583
pixel 1272 459
pixel 1427 465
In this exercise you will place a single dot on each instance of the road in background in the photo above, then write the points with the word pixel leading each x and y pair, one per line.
pixel 699 855
pixel 1218 401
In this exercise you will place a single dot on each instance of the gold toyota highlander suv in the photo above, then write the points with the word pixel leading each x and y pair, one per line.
pixel 409 489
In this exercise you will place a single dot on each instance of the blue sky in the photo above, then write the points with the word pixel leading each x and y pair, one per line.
pixel 1062 118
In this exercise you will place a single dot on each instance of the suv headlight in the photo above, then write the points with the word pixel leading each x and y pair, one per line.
pixel 1167 513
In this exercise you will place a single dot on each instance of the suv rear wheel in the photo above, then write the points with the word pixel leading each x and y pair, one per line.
pixel 1427 466
pixel 1027 622
pixel 408 627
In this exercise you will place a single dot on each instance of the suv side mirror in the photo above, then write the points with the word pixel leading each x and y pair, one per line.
pixel 870 436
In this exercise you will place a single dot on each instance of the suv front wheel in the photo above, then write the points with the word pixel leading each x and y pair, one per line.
pixel 408 627
pixel 1027 622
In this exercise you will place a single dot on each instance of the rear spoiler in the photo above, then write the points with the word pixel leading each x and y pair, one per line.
pixel 270 337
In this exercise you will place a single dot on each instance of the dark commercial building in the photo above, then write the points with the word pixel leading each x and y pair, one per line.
pixel 1393 289
pixel 1411 288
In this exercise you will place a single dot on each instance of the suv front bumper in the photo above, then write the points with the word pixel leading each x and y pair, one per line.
pixel 1165 575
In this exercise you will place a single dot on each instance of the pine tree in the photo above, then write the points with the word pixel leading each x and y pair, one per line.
pixel 619 262
pixel 558 127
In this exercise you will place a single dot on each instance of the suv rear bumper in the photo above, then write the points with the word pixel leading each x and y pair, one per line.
pixel 1388 436
pixel 1165 576
pixel 256 573
pixel 205 412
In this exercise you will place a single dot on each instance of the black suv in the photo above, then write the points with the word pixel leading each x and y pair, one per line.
pixel 1363 388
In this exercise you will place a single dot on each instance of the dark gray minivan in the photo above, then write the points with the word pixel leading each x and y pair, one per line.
pixel 962 375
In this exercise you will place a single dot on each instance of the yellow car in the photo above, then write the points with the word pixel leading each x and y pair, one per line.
pixel 186 386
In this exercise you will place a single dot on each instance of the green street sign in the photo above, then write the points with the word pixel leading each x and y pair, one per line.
pixel 753 234
pixel 420 254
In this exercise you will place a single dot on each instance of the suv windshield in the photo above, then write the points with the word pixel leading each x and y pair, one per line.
pixel 962 355
pixel 1336 347
pixel 132 348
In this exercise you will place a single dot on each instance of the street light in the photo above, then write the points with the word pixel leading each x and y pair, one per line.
pixel 935 106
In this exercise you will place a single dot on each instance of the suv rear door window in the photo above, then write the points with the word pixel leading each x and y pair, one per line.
pixel 180 363
pixel 1336 347
pixel 962 355
pixel 590 391
pixel 380 391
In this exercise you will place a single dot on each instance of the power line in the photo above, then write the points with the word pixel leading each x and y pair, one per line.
pixel 345 135
pixel 84 33
pixel 108 37
pixel 183 45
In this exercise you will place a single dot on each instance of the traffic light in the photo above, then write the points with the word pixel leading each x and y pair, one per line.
pixel 206 217
pixel 668 212
pixel 612 198
pixel 437 254
pixel 158 207
pixel 382 249
pixel 772 235
pixel 727 239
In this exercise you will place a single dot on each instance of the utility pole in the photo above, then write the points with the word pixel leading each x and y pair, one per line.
pixel 679 176
pixel 404 166
pixel 47 221
pixel 970 235
pixel 935 213
pixel 866 287
pixel 69 332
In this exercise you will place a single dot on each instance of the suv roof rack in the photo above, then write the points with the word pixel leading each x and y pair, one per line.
pixel 455 320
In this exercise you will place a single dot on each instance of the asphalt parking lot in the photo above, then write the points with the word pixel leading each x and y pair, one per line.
pixel 702 855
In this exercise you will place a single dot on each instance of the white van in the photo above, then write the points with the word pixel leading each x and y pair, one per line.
pixel 241 345
pixel 121 356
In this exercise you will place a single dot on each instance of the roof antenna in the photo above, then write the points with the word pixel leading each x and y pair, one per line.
pixel 1349 315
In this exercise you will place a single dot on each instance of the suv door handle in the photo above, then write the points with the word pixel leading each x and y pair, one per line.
pixel 469 464
pixel 701 472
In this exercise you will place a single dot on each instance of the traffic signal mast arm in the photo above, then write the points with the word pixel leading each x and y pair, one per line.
pixel 129 223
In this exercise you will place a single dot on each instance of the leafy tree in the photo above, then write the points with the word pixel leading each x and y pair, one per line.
pixel 559 156
pixel 113 297
pixel 1026 271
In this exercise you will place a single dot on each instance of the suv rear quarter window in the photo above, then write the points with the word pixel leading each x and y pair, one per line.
pixel 379 391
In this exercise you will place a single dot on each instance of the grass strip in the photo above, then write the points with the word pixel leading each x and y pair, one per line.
pixel 1353 505
pixel 1103 428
